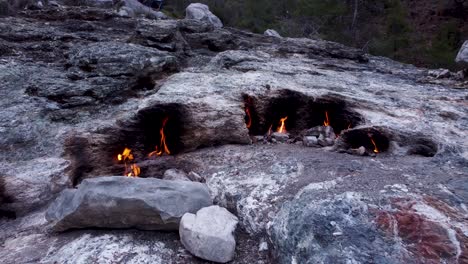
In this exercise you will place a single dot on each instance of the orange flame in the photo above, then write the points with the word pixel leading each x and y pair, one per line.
pixel 376 150
pixel 282 127
pixel 162 149
pixel 127 156
pixel 134 171
pixel 249 117
pixel 326 122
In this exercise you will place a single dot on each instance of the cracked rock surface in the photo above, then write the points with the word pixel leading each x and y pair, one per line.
pixel 78 83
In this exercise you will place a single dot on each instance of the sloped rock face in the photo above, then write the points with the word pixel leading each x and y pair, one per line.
pixel 462 56
pixel 121 202
pixel 78 84
pixel 352 228
pixel 333 231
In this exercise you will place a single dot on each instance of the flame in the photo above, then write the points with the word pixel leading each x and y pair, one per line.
pixel 376 150
pixel 282 127
pixel 127 156
pixel 134 171
pixel 349 126
pixel 326 122
pixel 249 117
pixel 162 149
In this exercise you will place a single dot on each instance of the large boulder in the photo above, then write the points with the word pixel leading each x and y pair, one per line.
pixel 202 12
pixel 121 202
pixel 272 33
pixel 133 8
pixel 209 234
pixel 462 56
pixel 333 230
pixel 352 227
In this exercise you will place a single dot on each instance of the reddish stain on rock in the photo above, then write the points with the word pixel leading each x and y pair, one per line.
pixel 424 238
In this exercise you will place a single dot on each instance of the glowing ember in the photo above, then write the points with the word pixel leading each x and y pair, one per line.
pixel 376 150
pixel 282 127
pixel 162 148
pixel 127 156
pixel 249 117
pixel 327 121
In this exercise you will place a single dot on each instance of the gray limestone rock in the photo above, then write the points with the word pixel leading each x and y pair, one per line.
pixel 272 33
pixel 121 202
pixel 280 137
pixel 202 12
pixel 462 56
pixel 335 230
pixel 193 176
pixel 133 8
pixel 175 175
pixel 310 141
pixel 208 234
pixel 115 59
pixel 325 131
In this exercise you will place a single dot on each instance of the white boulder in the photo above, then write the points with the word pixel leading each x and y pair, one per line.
pixel 208 234
pixel 462 56
pixel 202 12
pixel 272 33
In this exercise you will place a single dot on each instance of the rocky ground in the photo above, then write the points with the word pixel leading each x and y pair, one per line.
pixel 78 84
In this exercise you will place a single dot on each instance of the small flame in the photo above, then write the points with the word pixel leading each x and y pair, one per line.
pixel 376 150
pixel 349 126
pixel 282 127
pixel 249 117
pixel 134 171
pixel 162 149
pixel 326 122
pixel 127 156
pixel 269 130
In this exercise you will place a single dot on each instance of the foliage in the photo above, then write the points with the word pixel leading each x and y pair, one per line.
pixel 385 27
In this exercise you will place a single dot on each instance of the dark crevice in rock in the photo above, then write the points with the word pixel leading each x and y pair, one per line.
pixel 302 112
pixel 143 83
pixel 142 133
pixel 5 199
pixel 252 120
pixel 419 145
pixel 373 139
pixel 78 152
pixel 149 123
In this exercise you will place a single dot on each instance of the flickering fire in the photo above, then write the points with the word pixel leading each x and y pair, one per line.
pixel 326 122
pixel 282 127
pixel 249 117
pixel 376 150
pixel 134 171
pixel 162 148
pixel 126 157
